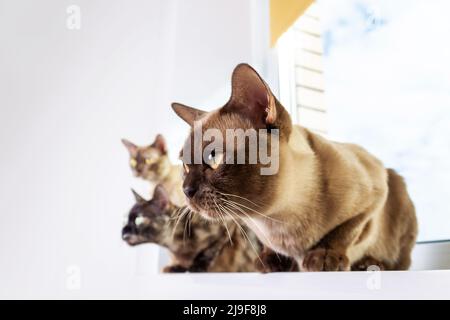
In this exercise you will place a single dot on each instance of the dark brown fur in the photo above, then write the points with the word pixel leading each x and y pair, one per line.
pixel 331 206
pixel 195 244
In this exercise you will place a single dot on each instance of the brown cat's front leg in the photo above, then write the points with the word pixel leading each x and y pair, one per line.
pixel 176 268
pixel 270 261
pixel 330 253
pixel 322 259
pixel 367 262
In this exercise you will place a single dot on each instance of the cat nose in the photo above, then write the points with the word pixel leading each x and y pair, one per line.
pixel 190 191
pixel 126 233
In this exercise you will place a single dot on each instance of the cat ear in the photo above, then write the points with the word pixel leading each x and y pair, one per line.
pixel 138 198
pixel 251 96
pixel 132 148
pixel 161 197
pixel 186 113
pixel 160 144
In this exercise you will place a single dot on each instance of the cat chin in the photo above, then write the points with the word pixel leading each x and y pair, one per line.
pixel 209 215
pixel 134 240
pixel 206 214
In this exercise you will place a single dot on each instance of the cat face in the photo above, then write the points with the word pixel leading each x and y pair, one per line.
pixel 214 187
pixel 148 220
pixel 150 162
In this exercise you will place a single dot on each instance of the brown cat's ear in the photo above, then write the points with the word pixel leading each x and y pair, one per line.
pixel 138 198
pixel 160 197
pixel 186 113
pixel 132 148
pixel 252 97
pixel 160 144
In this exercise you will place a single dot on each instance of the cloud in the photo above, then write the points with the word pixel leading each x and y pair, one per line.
pixel 388 88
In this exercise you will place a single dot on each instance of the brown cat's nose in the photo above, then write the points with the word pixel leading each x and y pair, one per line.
pixel 190 191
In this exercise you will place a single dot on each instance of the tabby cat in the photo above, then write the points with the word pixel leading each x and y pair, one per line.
pixel 195 244
pixel 331 206
pixel 152 163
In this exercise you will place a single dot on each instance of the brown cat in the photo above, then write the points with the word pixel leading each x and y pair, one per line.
pixel 331 206
pixel 152 163
pixel 195 244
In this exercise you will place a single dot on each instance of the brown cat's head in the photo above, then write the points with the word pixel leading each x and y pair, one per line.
pixel 223 180
pixel 151 162
pixel 148 221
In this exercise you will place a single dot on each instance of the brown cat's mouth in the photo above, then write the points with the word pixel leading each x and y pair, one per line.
pixel 204 210
pixel 209 214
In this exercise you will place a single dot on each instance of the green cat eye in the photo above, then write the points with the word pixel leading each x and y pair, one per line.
pixel 140 220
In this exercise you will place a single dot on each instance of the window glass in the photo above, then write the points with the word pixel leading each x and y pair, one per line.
pixel 387 87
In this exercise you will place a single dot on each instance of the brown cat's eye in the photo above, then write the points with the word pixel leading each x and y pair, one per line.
pixel 133 162
pixel 214 159
pixel 149 161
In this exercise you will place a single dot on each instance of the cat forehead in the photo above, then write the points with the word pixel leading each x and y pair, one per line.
pixel 219 119
pixel 148 152
pixel 222 121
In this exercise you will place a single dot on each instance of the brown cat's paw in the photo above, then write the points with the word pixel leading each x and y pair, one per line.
pixel 366 263
pixel 272 262
pixel 174 269
pixel 325 260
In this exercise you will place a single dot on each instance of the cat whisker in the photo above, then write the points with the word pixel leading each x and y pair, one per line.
pixel 254 223
pixel 240 197
pixel 244 233
pixel 223 220
pixel 253 210
pixel 184 212
pixel 186 224
pixel 190 222
pixel 178 212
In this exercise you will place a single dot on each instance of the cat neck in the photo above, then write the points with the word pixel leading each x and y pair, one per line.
pixel 296 190
pixel 164 174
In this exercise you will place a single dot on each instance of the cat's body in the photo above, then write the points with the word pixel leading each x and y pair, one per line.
pixel 331 206
pixel 152 163
pixel 350 204
pixel 194 244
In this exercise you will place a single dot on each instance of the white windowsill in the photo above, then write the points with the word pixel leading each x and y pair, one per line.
pixel 323 285
pixel 415 284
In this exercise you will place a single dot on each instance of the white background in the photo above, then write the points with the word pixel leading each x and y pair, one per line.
pixel 67 97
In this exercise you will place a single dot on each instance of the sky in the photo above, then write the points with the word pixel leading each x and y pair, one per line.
pixel 387 82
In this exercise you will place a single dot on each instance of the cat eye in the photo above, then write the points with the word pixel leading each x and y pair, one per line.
pixel 140 220
pixel 214 159
pixel 149 161
pixel 133 162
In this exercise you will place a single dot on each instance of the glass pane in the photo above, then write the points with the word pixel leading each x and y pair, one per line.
pixel 387 82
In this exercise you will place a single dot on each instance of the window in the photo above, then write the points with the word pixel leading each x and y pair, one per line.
pixel 300 52
pixel 377 74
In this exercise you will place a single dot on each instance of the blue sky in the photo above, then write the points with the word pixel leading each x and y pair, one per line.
pixel 387 80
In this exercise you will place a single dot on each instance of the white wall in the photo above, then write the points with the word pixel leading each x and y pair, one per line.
pixel 66 99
